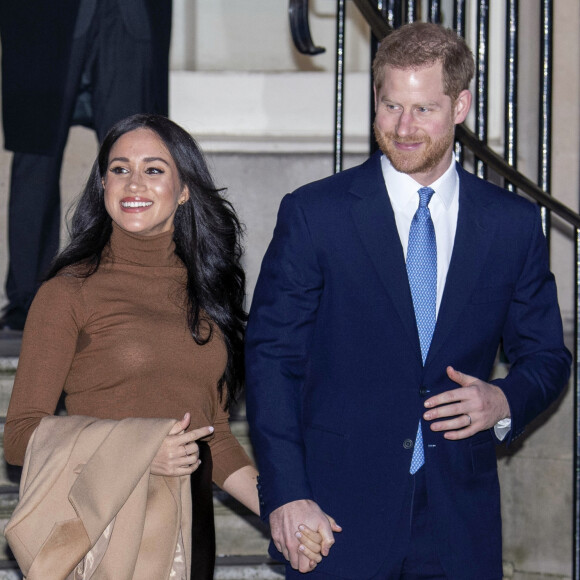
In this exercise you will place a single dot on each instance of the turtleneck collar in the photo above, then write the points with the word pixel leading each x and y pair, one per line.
pixel 152 251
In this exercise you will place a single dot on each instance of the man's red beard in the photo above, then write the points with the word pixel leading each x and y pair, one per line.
pixel 420 161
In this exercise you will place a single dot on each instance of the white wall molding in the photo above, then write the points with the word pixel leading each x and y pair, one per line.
pixel 270 112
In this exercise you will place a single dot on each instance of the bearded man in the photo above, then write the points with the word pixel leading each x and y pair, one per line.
pixel 375 324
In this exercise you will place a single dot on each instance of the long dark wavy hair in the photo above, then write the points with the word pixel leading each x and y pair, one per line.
pixel 207 236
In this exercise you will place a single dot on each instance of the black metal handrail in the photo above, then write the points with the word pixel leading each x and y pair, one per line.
pixel 525 185
pixel 300 28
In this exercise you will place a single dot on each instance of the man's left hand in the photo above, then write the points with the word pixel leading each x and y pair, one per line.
pixel 475 407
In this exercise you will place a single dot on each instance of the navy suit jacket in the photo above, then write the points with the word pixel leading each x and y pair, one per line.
pixel 335 381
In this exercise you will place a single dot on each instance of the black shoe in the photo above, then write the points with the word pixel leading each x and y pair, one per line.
pixel 13 318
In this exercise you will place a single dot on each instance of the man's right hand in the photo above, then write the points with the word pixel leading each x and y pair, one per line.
pixel 284 523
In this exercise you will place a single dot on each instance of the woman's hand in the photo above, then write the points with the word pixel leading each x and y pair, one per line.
pixel 311 542
pixel 179 453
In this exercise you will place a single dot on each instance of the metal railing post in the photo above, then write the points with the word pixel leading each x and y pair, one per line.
pixel 482 58
pixel 339 85
pixel 576 473
pixel 544 164
pixel 511 87
pixel 459 26
pixel 434 11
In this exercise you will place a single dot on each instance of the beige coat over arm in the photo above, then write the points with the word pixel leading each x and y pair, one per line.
pixel 90 509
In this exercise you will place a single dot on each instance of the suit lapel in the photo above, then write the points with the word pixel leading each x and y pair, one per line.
pixel 473 238
pixel 375 222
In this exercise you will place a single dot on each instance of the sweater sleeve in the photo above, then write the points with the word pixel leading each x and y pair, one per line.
pixel 227 453
pixel 48 347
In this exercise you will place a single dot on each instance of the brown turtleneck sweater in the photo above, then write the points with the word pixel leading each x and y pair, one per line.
pixel 118 345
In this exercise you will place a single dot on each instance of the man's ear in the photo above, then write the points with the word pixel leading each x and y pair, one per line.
pixel 461 106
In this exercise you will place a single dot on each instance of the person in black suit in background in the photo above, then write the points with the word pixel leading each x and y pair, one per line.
pixel 64 63
pixel 78 62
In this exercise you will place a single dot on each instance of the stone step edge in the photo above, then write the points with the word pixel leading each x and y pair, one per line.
pixel 8 565
pixel 8 364
pixel 257 560
pixel 248 560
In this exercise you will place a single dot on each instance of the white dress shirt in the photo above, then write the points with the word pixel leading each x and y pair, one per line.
pixel 444 208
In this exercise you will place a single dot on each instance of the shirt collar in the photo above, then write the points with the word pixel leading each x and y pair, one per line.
pixel 402 188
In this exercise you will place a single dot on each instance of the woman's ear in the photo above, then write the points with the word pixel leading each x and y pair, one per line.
pixel 184 195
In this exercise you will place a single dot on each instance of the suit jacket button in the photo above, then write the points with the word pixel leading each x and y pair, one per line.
pixel 424 391
pixel 408 443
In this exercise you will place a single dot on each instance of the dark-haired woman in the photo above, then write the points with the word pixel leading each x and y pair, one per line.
pixel 142 313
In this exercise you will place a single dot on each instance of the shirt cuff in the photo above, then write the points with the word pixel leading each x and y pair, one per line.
pixel 502 428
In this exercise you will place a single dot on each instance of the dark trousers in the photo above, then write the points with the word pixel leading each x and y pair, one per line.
pixel 203 528
pixel 413 556
pixel 116 68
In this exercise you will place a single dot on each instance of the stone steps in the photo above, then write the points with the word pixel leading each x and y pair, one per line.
pixel 241 537
pixel 8 501
pixel 227 568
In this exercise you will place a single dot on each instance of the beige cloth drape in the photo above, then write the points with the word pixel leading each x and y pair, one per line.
pixel 90 509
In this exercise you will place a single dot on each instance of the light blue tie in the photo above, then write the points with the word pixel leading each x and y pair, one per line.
pixel 422 273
